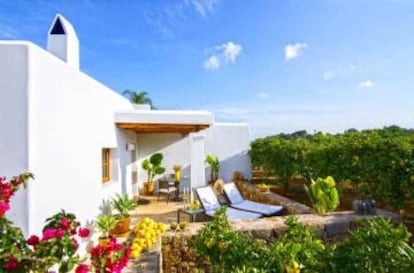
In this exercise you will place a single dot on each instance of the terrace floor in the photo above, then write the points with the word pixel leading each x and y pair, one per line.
pixel 160 211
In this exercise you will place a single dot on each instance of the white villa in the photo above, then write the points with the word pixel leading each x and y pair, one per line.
pixel 63 126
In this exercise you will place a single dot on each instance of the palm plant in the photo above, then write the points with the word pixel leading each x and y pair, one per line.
pixel 137 97
pixel 123 204
pixel 214 163
pixel 105 223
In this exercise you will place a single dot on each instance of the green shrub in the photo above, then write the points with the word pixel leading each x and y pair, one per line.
pixel 229 250
pixel 301 247
pixel 323 194
pixel 376 246
pixel 382 160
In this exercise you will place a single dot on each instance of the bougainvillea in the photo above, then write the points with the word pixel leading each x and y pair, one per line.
pixel 57 245
pixel 112 257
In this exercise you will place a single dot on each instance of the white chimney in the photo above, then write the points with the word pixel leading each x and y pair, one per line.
pixel 63 42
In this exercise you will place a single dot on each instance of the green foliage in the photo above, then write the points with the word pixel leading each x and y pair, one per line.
pixel 55 220
pixel 153 166
pixel 300 246
pixel 105 223
pixel 377 246
pixel 227 249
pixel 214 163
pixel 382 160
pixel 138 97
pixel 279 156
pixel 123 204
pixel 323 194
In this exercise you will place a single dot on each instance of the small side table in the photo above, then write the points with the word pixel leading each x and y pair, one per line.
pixel 191 213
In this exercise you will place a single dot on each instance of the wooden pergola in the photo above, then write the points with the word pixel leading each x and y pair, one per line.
pixel 157 128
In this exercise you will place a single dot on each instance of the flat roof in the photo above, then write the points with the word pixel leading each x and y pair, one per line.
pixel 163 121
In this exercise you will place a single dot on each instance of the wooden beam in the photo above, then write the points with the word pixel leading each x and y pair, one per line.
pixel 162 128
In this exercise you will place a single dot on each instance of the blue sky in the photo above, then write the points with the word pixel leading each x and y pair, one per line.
pixel 279 66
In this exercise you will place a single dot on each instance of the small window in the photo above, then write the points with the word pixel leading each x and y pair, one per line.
pixel 106 164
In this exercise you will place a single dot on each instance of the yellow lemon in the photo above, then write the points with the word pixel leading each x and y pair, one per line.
pixel 135 254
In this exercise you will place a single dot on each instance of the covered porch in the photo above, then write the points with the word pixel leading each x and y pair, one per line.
pixel 176 134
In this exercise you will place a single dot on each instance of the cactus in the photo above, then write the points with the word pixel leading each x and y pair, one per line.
pixel 323 194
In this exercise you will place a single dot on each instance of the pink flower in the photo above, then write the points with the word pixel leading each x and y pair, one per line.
pixel 59 233
pixel 64 223
pixel 4 207
pixel 11 264
pixel 33 240
pixel 82 268
pixel 49 233
pixel 83 232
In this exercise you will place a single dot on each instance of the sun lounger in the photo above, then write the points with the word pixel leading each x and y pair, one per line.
pixel 211 204
pixel 237 201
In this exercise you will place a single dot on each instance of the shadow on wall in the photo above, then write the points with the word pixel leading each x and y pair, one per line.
pixel 237 162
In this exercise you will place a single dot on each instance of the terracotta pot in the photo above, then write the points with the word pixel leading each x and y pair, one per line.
pixel 149 188
pixel 104 241
pixel 121 228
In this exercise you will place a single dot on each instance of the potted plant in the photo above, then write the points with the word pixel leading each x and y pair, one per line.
pixel 153 167
pixel 177 172
pixel 104 224
pixel 122 204
pixel 323 195
pixel 214 163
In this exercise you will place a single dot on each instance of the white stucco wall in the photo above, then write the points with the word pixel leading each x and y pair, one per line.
pixel 71 120
pixel 14 121
pixel 230 142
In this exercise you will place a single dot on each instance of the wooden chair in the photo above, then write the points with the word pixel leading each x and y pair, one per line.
pixel 164 187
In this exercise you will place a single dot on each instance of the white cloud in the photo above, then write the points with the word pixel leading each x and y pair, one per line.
pixel 230 50
pixel 366 84
pixel 212 63
pixel 203 7
pixel 262 95
pixel 224 53
pixel 8 32
pixel 293 51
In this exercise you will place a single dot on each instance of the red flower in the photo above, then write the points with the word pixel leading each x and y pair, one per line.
pixel 83 232
pixel 59 233
pixel 4 207
pixel 33 240
pixel 65 224
pixel 6 191
pixel 75 243
pixel 49 233
pixel 11 264
pixel 82 268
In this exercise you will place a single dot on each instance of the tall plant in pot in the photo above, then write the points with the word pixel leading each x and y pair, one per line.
pixel 214 163
pixel 152 166
pixel 104 225
pixel 122 204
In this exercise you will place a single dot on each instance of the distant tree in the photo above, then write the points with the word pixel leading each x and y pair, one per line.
pixel 351 130
pixel 138 97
